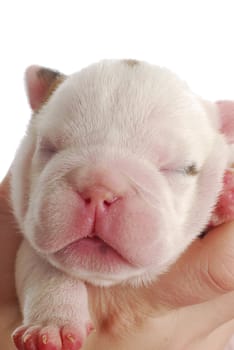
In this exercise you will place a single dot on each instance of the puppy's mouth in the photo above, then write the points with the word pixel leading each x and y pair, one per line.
pixel 90 251
pixel 93 241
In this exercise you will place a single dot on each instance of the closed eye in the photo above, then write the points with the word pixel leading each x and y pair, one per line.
pixel 189 170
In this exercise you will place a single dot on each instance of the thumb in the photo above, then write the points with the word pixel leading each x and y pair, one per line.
pixel 204 271
pixel 9 242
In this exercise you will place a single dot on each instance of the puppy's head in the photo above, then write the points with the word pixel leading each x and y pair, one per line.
pixel 119 170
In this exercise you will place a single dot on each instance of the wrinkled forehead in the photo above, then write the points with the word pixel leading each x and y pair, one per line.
pixel 111 98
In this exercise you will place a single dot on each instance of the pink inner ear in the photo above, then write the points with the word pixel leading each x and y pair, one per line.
pixel 226 111
pixel 36 87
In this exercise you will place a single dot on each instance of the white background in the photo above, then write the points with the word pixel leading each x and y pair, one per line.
pixel 193 38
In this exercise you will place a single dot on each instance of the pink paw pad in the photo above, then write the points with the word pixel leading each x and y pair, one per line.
pixel 68 337
pixel 71 339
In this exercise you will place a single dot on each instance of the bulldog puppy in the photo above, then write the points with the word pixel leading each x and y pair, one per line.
pixel 118 173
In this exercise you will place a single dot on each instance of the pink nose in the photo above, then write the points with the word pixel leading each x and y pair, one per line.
pixel 98 195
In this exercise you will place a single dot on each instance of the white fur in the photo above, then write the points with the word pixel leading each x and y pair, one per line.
pixel 135 129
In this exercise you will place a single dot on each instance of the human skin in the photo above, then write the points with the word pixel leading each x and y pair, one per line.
pixel 190 307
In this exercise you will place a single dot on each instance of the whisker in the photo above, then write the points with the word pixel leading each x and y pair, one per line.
pixel 143 191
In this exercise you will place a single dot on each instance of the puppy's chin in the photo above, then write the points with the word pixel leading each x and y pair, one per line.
pixel 94 261
pixel 100 265
pixel 116 275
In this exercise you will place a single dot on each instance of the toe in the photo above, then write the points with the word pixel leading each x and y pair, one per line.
pixel 72 338
pixel 49 338
pixel 17 337
pixel 30 338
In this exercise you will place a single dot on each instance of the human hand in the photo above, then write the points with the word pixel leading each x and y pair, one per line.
pixel 9 242
pixel 190 307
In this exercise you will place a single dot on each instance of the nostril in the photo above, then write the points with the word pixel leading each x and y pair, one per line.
pixel 98 196
pixel 87 200
pixel 107 203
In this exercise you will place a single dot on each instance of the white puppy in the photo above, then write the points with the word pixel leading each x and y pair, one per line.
pixel 118 173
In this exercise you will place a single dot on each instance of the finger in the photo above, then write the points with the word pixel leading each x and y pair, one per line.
pixel 220 337
pixel 9 243
pixel 203 272
pixel 207 317
pixel 5 183
pixel 6 212
pixel 200 327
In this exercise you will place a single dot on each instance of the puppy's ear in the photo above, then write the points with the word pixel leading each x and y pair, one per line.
pixel 226 119
pixel 40 84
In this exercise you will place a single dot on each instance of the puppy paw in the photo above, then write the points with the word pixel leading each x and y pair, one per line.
pixel 50 337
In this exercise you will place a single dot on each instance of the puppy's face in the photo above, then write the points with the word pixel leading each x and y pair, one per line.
pixel 107 184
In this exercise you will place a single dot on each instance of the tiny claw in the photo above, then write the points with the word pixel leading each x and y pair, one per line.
pixel 16 340
pixel 26 337
pixel 71 338
pixel 44 339
pixel 17 337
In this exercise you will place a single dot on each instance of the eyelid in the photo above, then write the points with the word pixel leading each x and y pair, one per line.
pixel 189 170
